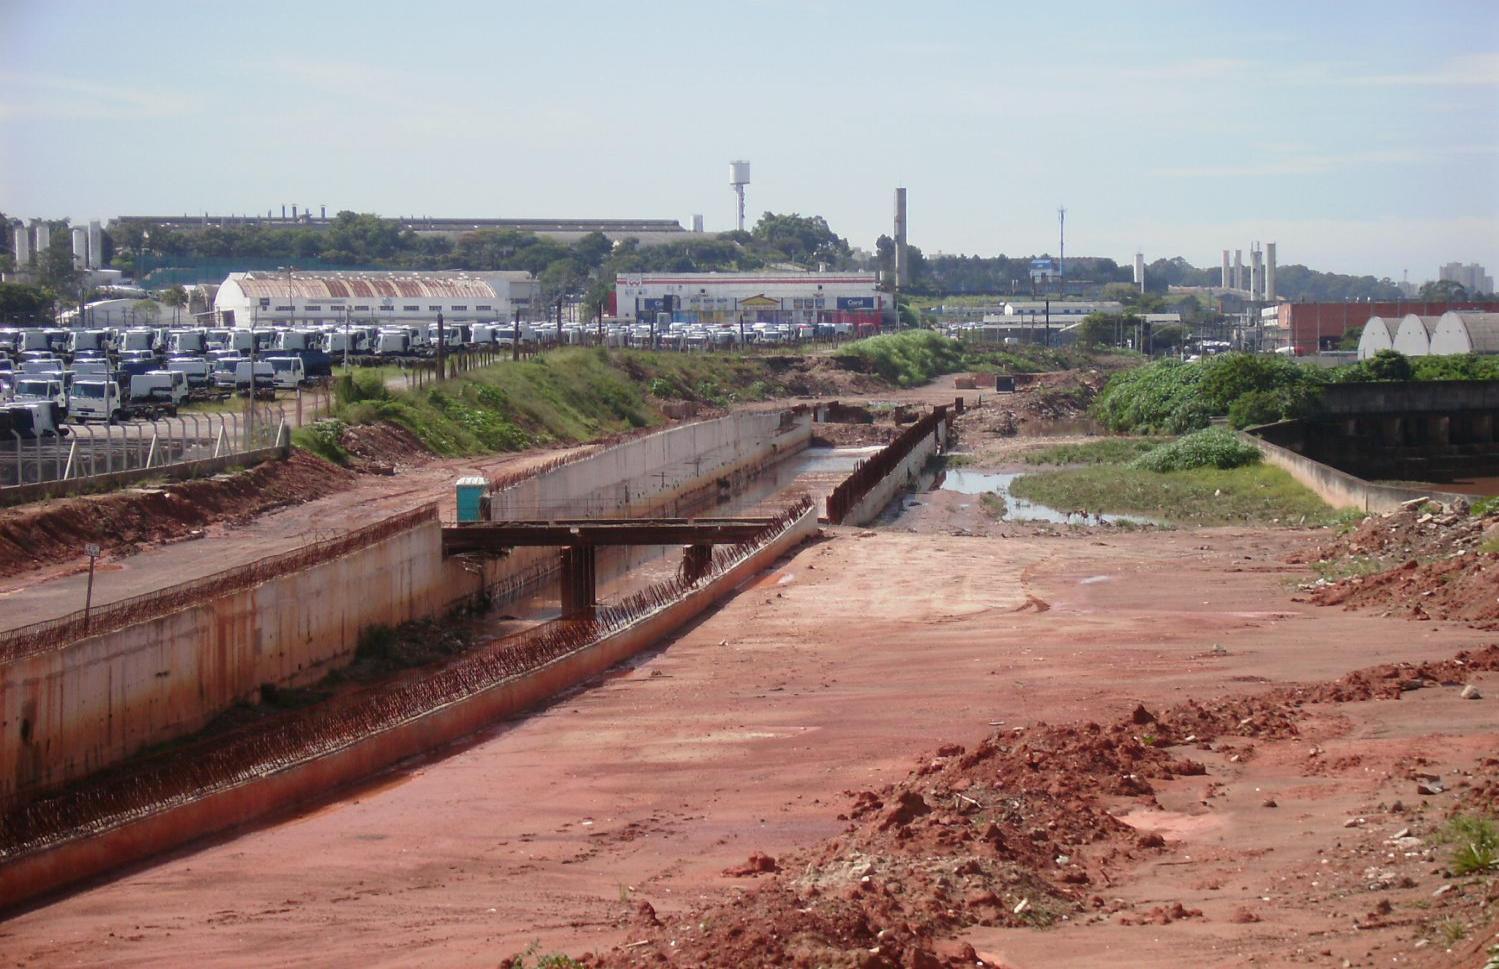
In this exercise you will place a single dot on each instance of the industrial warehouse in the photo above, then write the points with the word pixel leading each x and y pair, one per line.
pixel 839 299
pixel 318 298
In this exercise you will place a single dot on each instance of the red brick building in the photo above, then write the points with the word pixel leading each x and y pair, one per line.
pixel 1309 326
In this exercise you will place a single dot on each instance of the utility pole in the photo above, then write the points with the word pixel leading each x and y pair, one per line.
pixel 442 349
pixel 515 338
pixel 1062 249
pixel 346 338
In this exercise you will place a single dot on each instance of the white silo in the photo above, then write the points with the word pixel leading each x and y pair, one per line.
pixel 95 245
pixel 739 176
pixel 1256 272
pixel 22 240
pixel 43 237
pixel 1228 282
pixel 1239 269
pixel 80 247
pixel 1270 272
pixel 1140 270
pixel 697 222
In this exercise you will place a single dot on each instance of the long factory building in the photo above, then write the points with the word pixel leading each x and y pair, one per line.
pixel 322 297
pixel 763 297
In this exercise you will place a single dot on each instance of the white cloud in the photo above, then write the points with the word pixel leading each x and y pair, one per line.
pixel 1464 70
pixel 46 97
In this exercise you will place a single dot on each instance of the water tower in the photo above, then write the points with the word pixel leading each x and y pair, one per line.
pixel 738 178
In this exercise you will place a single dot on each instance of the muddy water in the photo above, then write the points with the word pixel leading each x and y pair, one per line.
pixel 966 482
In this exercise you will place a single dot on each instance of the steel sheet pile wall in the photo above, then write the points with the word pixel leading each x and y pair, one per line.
pixel 845 501
pixel 175 797
pixel 152 668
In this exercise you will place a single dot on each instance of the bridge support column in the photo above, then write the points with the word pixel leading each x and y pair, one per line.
pixel 579 579
pixel 696 561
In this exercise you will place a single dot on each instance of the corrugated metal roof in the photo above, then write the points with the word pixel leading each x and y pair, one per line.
pixel 1483 330
pixel 373 285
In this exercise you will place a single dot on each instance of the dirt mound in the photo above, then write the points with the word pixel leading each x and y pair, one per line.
pixel 1421 562
pixel 1044 397
pixel 56 531
pixel 1464 589
pixel 1010 833
pixel 383 447
pixel 1413 532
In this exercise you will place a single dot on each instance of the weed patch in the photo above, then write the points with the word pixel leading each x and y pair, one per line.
pixel 1202 496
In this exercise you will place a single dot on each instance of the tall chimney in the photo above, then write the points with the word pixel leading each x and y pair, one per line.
pixel 1228 282
pixel 1270 272
pixel 1239 269
pixel 902 271
pixel 1140 270
pixel 1256 272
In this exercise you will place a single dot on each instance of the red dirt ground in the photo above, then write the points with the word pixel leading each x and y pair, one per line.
pixel 857 658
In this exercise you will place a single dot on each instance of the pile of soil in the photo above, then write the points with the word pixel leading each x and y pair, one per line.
pixel 1413 532
pixel 46 533
pixel 383 447
pixel 1425 565
pixel 1045 397
pixel 1010 833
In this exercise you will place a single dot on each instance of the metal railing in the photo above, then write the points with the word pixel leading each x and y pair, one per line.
pixel 92 450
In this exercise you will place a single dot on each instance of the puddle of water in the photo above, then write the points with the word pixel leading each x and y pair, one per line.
pixel 967 482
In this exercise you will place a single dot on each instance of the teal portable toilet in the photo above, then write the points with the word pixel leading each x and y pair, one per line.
pixel 471 493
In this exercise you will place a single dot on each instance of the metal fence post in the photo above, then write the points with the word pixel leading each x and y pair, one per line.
pixel 19 443
pixel 155 440
pixel 109 448
pixel 67 471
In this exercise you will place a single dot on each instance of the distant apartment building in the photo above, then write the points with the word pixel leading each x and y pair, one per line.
pixel 1471 277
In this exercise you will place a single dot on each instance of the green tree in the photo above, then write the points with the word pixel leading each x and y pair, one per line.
pixel 25 303
pixel 145 311
pixel 1389 365
pixel 800 239
pixel 1444 290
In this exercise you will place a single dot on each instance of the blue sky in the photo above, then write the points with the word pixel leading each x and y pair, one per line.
pixel 1360 136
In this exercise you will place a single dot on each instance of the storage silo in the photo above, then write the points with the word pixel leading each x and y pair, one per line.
pixel 22 241
pixel 1270 272
pixel 80 247
pixel 95 245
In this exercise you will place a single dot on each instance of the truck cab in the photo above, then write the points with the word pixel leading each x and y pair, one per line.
pixel 35 419
pixel 288 372
pixel 43 387
pixel 264 377
pixel 168 387
pixel 95 399
pixel 188 342
pixel 196 369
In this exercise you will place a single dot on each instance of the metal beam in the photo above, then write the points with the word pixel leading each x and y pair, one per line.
pixel 502 535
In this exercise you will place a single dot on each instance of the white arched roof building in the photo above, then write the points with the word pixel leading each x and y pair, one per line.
pixel 318 297
pixel 1379 334
pixel 1413 338
pixel 1458 332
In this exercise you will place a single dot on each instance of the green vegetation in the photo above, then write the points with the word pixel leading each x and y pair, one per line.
pixel 1108 450
pixel 994 504
pixel 1484 506
pixel 1202 496
pixel 572 394
pixel 910 358
pixel 1476 844
pixel 322 438
pixel 534 958
pixel 1178 397
pixel 1211 448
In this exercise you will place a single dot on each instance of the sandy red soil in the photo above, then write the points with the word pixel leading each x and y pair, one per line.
pixel 833 674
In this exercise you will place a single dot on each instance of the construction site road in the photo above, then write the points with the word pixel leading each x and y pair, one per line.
pixel 52 592
pixel 831 674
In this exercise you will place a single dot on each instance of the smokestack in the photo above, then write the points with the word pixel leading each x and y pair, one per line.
pixel 95 245
pixel 22 247
pixel 1239 269
pixel 1228 282
pixel 902 271
pixel 324 210
pixel 1140 270
pixel 80 247
pixel 294 213
pixel 1270 272
pixel 283 212
pixel 1256 272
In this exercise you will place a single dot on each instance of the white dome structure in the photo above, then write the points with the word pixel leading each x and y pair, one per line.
pixel 1461 332
pixel 1413 338
pixel 1379 334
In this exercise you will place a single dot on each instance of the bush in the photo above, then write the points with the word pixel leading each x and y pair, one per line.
pixel 1173 397
pixel 1255 407
pixel 1476 843
pixel 1212 448
pixel 323 438
pixel 908 359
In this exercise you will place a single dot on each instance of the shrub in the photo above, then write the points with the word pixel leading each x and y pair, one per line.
pixel 1256 407
pixel 1476 843
pixel 1212 448
pixel 323 438
pixel 908 359
pixel 1174 397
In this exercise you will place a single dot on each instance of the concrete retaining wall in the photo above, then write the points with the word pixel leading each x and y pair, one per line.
pixel 875 501
pixel 67 712
pixel 1341 489
pixel 31 876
